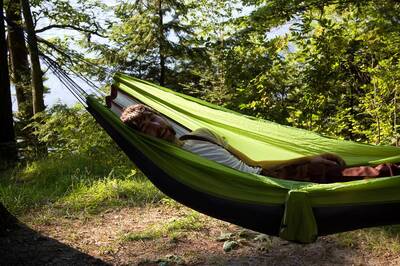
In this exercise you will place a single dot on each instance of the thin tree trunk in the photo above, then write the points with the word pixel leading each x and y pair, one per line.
pixel 8 150
pixel 395 117
pixel 36 72
pixel 161 40
pixel 19 61
pixel 376 111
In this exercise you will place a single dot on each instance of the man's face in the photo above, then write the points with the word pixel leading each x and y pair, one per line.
pixel 156 126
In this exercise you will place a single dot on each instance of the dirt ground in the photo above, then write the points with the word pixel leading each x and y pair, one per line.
pixel 98 240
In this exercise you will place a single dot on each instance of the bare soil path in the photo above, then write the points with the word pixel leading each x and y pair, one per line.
pixel 167 236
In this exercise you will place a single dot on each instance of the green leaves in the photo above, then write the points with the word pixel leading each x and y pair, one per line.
pixel 328 66
pixel 68 131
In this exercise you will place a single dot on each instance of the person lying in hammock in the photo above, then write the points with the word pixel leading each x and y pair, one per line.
pixel 322 168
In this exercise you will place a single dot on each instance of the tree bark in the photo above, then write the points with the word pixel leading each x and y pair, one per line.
pixel 19 61
pixel 161 43
pixel 8 150
pixel 36 72
pixel 7 220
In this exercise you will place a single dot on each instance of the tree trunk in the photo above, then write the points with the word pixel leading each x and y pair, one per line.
pixel 397 139
pixel 161 43
pixel 7 220
pixel 36 72
pixel 8 150
pixel 19 61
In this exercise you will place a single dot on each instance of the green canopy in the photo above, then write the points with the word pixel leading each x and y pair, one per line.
pixel 260 140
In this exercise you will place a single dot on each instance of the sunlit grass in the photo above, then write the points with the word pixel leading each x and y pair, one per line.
pixel 108 192
pixel 172 228
pixel 75 183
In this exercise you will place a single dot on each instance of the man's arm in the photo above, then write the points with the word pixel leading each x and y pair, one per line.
pixel 325 158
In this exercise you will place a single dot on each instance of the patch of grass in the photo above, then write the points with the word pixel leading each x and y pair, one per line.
pixel 172 229
pixel 379 239
pixel 74 183
pixel 107 250
pixel 109 192
pixel 145 235
pixel 168 202
pixel 46 216
pixel 190 222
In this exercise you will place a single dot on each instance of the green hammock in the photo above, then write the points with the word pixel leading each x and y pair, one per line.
pixel 296 211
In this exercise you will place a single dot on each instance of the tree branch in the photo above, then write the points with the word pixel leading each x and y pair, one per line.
pixel 49 44
pixel 60 26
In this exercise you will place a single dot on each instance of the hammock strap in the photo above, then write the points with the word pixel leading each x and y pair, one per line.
pixel 70 84
pixel 77 91
pixel 71 60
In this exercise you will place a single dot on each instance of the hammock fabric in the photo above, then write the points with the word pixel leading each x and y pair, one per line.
pixel 296 211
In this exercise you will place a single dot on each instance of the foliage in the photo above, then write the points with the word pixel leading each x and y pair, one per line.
pixel 60 14
pixel 213 27
pixel 68 131
pixel 264 80
pixel 335 71
pixel 336 74
pixel 149 39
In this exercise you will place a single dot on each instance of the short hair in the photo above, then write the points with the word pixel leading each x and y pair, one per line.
pixel 134 115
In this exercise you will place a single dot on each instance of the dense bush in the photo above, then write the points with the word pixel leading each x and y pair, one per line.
pixel 72 130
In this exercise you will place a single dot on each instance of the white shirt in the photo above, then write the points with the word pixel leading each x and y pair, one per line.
pixel 218 154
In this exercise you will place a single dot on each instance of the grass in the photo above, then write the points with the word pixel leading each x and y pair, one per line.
pixel 382 240
pixel 82 184
pixel 110 192
pixel 74 183
pixel 172 229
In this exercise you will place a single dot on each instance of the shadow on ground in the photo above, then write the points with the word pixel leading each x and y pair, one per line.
pixel 24 246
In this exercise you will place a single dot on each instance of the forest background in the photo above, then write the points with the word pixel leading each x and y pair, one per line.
pixel 334 70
